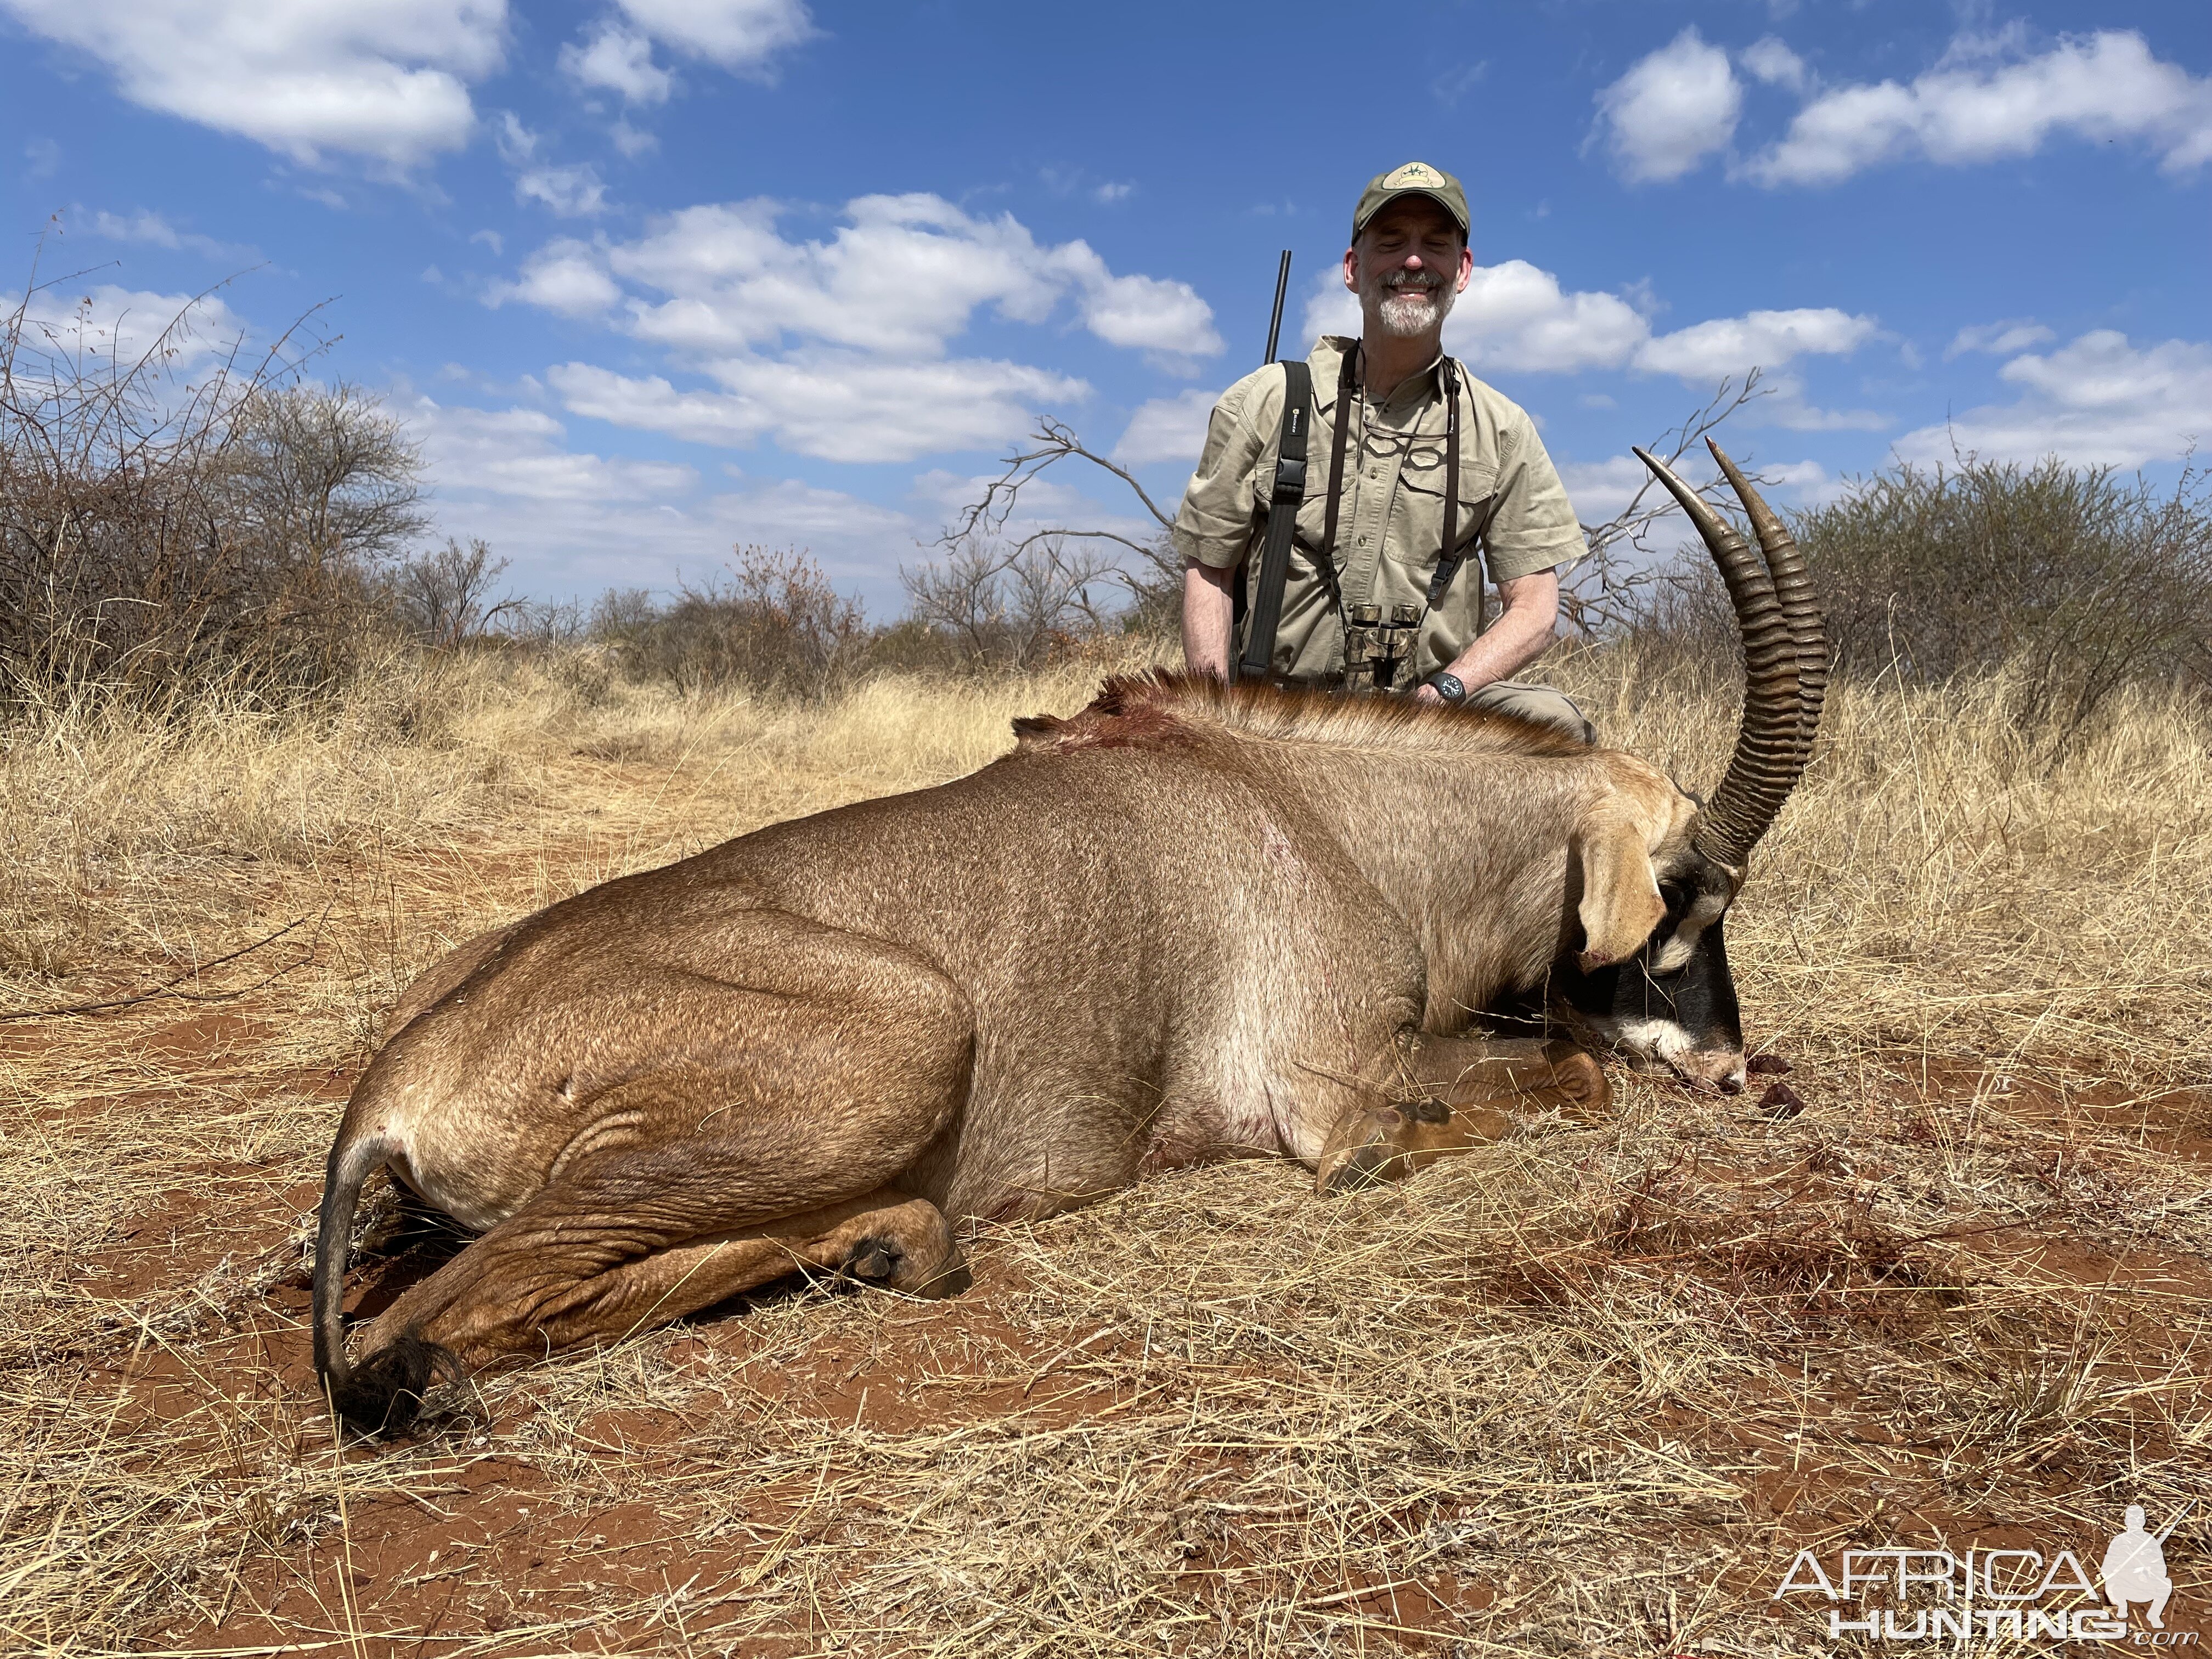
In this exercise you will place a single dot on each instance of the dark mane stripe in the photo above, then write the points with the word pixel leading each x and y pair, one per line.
pixel 1161 708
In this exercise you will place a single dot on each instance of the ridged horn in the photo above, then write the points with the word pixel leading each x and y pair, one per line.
pixel 1770 749
pixel 1793 588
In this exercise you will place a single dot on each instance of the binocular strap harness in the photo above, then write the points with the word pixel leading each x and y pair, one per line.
pixel 1288 493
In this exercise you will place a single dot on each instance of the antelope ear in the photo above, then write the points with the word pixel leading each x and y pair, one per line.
pixel 1620 895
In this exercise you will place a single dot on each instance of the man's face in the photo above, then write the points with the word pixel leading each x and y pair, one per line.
pixel 1407 266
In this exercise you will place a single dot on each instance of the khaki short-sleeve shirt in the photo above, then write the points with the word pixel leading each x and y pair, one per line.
pixel 1389 526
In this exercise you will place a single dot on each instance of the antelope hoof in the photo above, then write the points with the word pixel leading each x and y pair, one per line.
pixel 875 1261
pixel 1375 1155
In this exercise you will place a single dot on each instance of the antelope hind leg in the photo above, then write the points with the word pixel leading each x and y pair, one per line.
pixel 766 1126
pixel 564 1271
pixel 887 1239
pixel 1447 1094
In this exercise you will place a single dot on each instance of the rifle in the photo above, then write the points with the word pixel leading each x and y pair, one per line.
pixel 1275 322
pixel 1262 597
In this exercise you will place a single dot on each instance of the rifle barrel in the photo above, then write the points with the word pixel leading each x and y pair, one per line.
pixel 2176 1521
pixel 1282 288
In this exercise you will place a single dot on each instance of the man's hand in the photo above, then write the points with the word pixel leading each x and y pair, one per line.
pixel 1209 610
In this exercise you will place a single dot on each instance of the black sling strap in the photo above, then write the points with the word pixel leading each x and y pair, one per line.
pixel 1347 388
pixel 1448 559
pixel 1290 489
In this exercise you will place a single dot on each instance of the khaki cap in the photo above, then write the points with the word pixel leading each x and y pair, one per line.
pixel 1414 178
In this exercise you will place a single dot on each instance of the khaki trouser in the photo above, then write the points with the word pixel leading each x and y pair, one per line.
pixel 1534 702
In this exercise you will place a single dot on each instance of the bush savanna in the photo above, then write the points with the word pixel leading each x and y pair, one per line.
pixel 1944 1275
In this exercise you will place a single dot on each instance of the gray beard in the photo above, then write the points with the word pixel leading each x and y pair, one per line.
pixel 1409 315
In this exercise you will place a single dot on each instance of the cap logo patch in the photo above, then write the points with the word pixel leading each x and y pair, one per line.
pixel 1414 172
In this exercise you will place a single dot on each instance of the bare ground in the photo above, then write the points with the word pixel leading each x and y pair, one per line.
pixel 1587 1391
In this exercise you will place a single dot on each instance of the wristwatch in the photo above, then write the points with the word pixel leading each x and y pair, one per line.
pixel 1447 685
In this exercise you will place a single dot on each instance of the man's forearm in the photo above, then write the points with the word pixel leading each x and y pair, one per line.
pixel 1208 619
pixel 1522 633
pixel 1510 646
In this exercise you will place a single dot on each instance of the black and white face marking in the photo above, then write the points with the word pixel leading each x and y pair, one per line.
pixel 1672 1007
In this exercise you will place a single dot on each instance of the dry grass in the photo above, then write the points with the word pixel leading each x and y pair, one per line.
pixel 1584 1392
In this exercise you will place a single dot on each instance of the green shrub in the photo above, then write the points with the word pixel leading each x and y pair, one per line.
pixel 2068 581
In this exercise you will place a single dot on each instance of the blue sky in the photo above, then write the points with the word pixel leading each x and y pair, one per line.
pixel 651 277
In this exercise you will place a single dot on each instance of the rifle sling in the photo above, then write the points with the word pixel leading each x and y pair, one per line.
pixel 1448 559
pixel 1265 610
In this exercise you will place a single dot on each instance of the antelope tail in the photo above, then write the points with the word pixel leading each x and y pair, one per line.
pixel 385 1390
pixel 353 1158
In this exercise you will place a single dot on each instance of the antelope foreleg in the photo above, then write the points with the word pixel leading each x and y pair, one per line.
pixel 1447 1094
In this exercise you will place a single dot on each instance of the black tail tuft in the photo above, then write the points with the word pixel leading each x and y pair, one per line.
pixel 383 1392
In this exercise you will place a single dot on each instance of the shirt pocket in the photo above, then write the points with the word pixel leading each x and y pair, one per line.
pixel 1478 496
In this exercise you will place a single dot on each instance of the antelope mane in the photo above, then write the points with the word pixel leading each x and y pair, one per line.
pixel 1164 710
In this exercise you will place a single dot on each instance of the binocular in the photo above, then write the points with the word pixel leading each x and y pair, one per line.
pixel 1375 652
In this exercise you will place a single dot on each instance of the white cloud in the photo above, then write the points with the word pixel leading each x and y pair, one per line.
pixel 1517 317
pixel 903 276
pixel 1785 406
pixel 1729 345
pixel 2103 86
pixel 1514 316
pixel 1112 191
pixel 385 79
pixel 1143 312
pixel 620 61
pixel 1044 501
pixel 565 277
pixel 517 143
pixel 790 512
pixel 653 404
pixel 2098 399
pixel 1166 429
pixel 119 325
pixel 1602 490
pixel 839 406
pixel 1999 338
pixel 154 229
pixel 572 192
pixel 1809 480
pixel 1770 61
pixel 1672 109
pixel 632 141
pixel 573 521
pixel 842 348
pixel 738 34
pixel 520 453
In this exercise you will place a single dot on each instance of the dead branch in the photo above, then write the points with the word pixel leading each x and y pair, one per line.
pixel 1055 441
pixel 1606 588
pixel 169 988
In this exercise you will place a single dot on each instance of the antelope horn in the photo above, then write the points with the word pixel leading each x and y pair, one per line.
pixel 1793 588
pixel 1770 753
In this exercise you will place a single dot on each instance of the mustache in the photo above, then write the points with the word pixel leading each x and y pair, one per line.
pixel 1400 281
